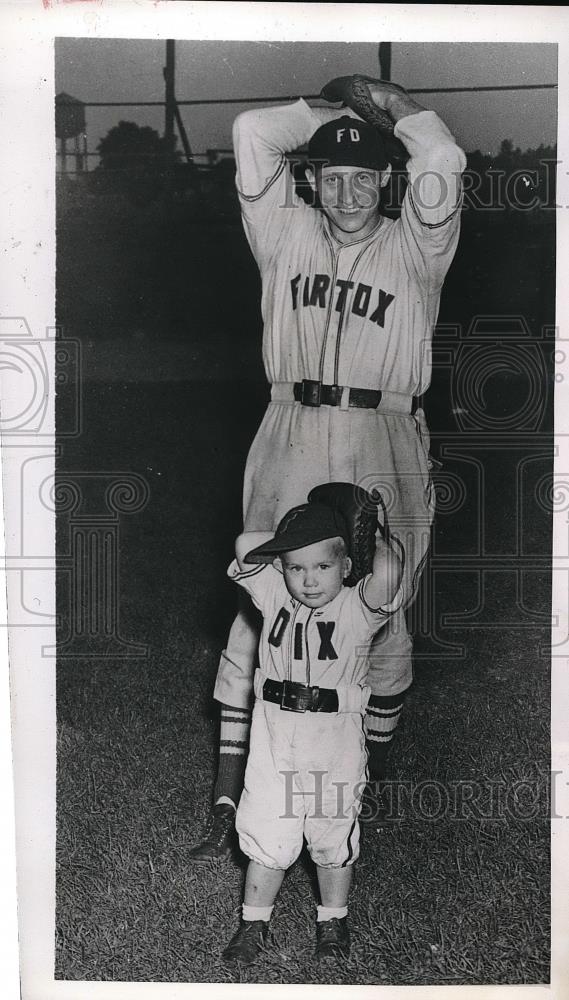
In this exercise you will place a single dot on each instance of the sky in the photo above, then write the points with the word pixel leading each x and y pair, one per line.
pixel 112 69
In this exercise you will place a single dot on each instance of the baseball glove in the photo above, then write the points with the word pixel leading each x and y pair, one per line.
pixel 360 511
pixel 355 93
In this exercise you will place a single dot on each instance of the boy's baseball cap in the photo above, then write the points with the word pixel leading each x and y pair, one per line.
pixel 303 525
pixel 348 142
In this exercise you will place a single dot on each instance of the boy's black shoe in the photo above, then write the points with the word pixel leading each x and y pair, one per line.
pixel 246 945
pixel 332 938
pixel 218 836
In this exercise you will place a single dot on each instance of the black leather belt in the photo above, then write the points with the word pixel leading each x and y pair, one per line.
pixel 312 393
pixel 293 697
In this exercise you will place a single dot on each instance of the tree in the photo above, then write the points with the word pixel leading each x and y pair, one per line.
pixel 138 157
pixel 128 146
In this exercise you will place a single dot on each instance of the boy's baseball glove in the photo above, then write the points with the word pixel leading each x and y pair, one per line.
pixel 360 511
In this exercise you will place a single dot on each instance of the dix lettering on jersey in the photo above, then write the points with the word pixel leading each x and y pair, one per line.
pixel 325 633
pixel 316 291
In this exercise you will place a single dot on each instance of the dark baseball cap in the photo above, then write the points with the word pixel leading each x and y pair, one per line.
pixel 301 526
pixel 348 142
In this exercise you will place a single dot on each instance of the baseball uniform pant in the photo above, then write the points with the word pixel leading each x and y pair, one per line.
pixel 296 448
pixel 304 778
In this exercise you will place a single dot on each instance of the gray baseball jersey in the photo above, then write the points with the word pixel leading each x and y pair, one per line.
pixel 357 314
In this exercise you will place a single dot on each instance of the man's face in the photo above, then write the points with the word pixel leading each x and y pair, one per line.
pixel 350 197
pixel 315 574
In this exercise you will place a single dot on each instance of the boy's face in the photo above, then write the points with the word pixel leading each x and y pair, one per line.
pixel 350 197
pixel 315 574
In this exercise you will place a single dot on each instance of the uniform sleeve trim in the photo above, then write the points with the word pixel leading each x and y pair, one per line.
pixel 245 574
pixel 432 225
pixel 361 592
pixel 275 177
pixel 387 610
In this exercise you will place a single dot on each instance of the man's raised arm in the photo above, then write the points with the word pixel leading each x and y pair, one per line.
pixel 436 161
pixel 261 140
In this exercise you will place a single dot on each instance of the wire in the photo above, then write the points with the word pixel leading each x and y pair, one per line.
pixel 464 90
pixel 310 97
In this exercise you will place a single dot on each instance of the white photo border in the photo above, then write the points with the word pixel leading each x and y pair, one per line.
pixel 27 31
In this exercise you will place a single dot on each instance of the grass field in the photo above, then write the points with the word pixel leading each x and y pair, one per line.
pixel 442 895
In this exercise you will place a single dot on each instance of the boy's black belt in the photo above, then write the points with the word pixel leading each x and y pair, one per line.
pixel 312 393
pixel 293 697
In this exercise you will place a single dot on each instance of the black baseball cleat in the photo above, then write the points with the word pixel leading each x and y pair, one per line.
pixel 247 944
pixel 332 938
pixel 218 836
pixel 379 804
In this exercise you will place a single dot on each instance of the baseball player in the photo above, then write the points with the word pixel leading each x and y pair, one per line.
pixel 307 734
pixel 349 302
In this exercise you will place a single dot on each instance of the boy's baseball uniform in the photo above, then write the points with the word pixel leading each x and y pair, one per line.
pixel 306 769
pixel 346 348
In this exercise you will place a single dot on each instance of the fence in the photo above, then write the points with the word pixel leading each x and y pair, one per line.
pixel 205 159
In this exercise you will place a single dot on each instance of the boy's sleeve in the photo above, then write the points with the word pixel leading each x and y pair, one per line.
pixel 374 618
pixel 430 215
pixel 263 583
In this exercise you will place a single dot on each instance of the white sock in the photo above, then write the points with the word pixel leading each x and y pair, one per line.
pixel 224 800
pixel 257 912
pixel 328 912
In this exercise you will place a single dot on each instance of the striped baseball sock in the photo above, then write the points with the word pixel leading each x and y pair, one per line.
pixel 382 716
pixel 233 750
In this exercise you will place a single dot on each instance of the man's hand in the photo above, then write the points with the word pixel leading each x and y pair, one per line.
pixel 393 99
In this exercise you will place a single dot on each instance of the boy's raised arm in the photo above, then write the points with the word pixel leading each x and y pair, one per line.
pixel 245 542
pixel 381 587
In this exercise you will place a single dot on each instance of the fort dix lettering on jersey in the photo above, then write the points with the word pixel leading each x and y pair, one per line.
pixel 316 291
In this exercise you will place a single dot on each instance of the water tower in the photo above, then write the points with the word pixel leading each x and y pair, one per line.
pixel 70 125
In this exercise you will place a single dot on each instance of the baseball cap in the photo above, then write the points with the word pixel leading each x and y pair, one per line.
pixel 303 525
pixel 348 142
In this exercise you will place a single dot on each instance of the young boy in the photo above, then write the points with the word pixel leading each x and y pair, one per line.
pixel 307 761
